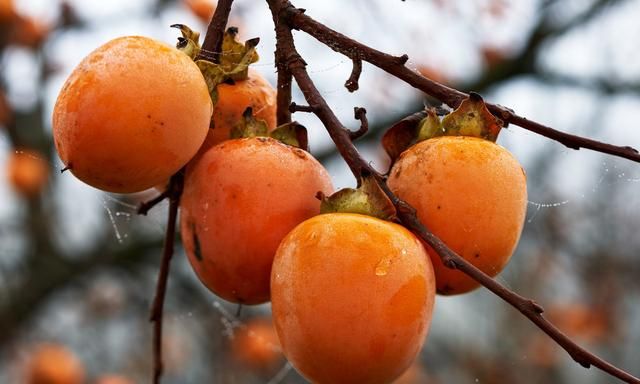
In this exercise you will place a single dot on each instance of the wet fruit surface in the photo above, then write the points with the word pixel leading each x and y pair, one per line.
pixel 240 199
pixel 469 192
pixel 131 114
pixel 352 298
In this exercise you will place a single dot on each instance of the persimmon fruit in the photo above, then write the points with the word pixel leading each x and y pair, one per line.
pixel 233 99
pixel 469 192
pixel 202 9
pixel 352 298
pixel 240 199
pixel 131 114
pixel 256 345
pixel 27 172
pixel 54 364
pixel 113 379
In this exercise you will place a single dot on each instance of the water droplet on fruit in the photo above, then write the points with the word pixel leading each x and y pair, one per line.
pixel 383 266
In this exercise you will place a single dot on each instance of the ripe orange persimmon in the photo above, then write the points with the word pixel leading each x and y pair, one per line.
pixel 27 172
pixel 7 11
pixel 352 298
pixel 113 379
pixel 256 345
pixel 203 9
pixel 240 199
pixel 131 114
pixel 54 364
pixel 469 192
pixel 233 100
pixel 29 32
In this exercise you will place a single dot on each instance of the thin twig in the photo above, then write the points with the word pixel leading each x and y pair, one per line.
pixel 175 190
pixel 352 82
pixel 394 65
pixel 146 206
pixel 407 214
pixel 360 113
pixel 293 107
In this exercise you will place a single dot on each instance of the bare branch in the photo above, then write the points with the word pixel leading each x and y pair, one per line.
pixel 175 190
pixel 284 78
pixel 352 82
pixel 360 113
pixel 293 107
pixel 212 45
pixel 146 206
pixel 452 97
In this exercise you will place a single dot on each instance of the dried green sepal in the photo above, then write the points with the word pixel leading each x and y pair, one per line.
pixel 236 56
pixel 234 60
pixel 402 135
pixel 293 133
pixel 189 42
pixel 472 118
pixel 368 199
pixel 430 126
pixel 249 126
pixel 213 75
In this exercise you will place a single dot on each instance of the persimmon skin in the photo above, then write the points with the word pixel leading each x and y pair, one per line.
pixel 233 100
pixel 54 364
pixel 469 192
pixel 240 199
pixel 131 114
pixel 352 298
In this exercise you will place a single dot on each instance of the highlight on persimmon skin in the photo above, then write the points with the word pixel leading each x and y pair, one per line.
pixel 131 114
pixel 27 172
pixel 240 199
pixel 469 192
pixel 54 364
pixel 352 298
pixel 234 99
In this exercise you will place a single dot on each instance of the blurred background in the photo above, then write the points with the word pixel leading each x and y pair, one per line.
pixel 78 266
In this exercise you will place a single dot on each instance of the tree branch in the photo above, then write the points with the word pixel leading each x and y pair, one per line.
pixel 146 206
pixel 284 76
pixel 406 213
pixel 360 113
pixel 212 45
pixel 395 66
pixel 175 190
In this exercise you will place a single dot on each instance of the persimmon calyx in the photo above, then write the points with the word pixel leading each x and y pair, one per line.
pixel 368 199
pixel 293 133
pixel 471 118
pixel 235 57
pixel 189 42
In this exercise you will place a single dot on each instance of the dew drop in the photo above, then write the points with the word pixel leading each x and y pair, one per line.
pixel 383 266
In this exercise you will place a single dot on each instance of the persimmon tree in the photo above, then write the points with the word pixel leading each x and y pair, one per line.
pixel 391 191
pixel 291 66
